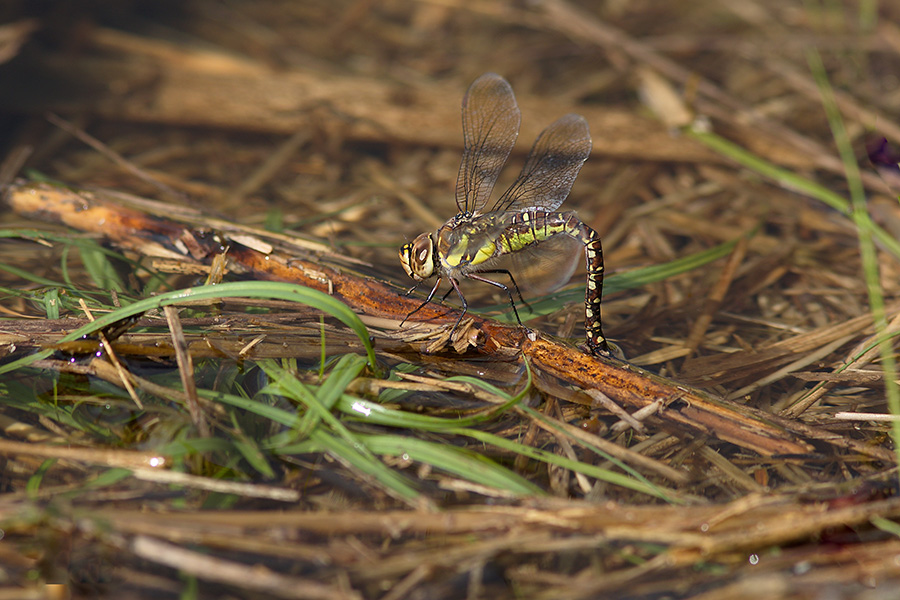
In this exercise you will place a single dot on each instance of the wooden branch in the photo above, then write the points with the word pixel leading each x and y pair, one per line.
pixel 684 410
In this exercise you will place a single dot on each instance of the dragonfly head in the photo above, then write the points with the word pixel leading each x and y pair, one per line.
pixel 417 257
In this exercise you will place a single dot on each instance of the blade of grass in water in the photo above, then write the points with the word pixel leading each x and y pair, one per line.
pixel 85 245
pixel 359 449
pixel 99 267
pixel 51 301
pixel 343 446
pixel 590 470
pixel 638 482
pixel 886 525
pixel 467 465
pixel 318 400
pixel 463 463
pixel 25 275
pixel 375 413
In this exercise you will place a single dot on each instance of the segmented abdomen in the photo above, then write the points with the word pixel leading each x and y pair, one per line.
pixel 531 227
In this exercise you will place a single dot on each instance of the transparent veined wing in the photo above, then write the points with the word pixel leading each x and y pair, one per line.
pixel 491 120
pixel 551 166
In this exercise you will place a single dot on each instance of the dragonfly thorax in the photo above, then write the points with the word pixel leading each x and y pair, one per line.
pixel 418 257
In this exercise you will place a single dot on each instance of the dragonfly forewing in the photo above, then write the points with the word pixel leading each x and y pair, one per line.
pixel 491 120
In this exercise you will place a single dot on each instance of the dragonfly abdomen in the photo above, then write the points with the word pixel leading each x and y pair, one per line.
pixel 532 227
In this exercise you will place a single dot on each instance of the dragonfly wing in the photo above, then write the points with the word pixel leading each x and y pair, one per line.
pixel 551 166
pixel 491 121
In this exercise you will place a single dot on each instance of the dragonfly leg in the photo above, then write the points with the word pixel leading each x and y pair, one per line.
pixel 465 305
pixel 412 289
pixel 447 293
pixel 427 300
pixel 502 287
pixel 515 285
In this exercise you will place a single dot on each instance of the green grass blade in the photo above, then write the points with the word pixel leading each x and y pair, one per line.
pixel 96 262
pixel 653 273
pixel 28 276
pixel 886 525
pixel 349 453
pixel 329 435
pixel 374 413
pixel 348 368
pixel 272 413
pixel 463 463
pixel 254 457
pixel 51 302
pixel 37 478
pixel 285 383
pixel 93 255
pixel 350 450
pixel 377 414
pixel 606 475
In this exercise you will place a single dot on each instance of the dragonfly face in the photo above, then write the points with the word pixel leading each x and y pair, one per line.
pixel 417 258
pixel 523 221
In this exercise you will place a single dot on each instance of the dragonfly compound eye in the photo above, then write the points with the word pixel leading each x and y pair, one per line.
pixel 417 257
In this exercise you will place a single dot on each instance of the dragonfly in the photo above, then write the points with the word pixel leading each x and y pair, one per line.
pixel 523 225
